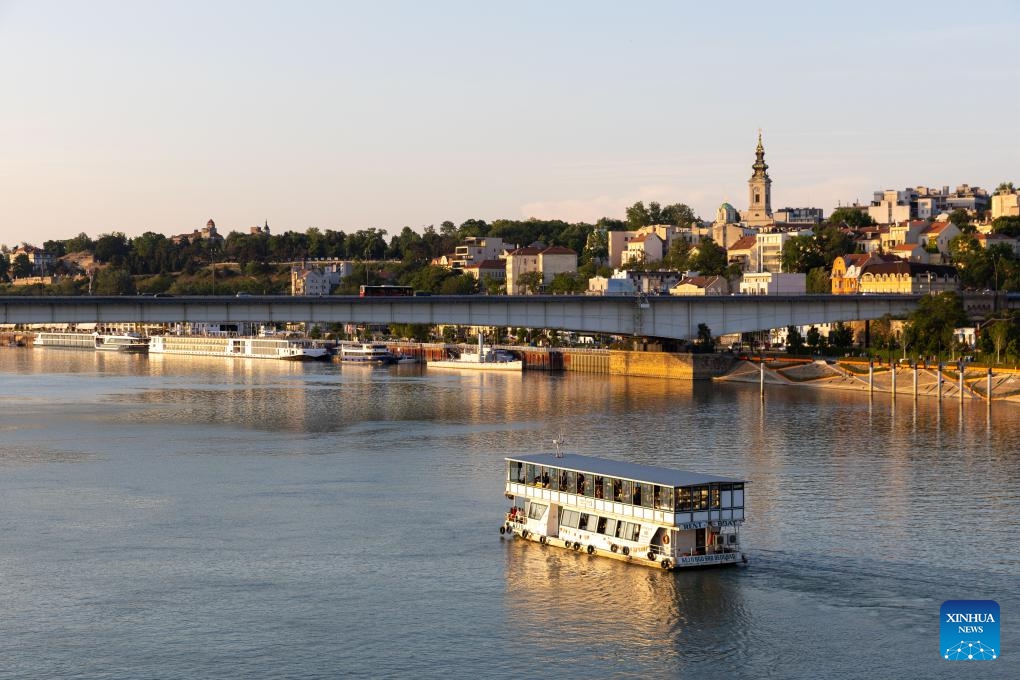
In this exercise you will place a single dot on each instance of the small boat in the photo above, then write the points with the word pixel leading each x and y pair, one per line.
pixel 653 516
pixel 483 360
pixel 366 354
pixel 123 342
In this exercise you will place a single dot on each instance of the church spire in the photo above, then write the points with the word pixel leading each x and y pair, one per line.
pixel 759 211
pixel 760 167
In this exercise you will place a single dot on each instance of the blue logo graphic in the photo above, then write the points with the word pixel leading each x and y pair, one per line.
pixel 969 630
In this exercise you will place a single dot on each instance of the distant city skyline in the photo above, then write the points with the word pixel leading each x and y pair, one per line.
pixel 134 117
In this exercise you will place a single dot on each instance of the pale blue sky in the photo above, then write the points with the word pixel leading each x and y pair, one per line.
pixel 129 116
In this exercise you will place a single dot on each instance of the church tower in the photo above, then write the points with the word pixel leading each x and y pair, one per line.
pixel 759 211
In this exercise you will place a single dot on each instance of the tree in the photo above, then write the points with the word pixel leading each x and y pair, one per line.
pixel 929 328
pixel 705 342
pixel 794 341
pixel 679 214
pixel 710 258
pixel 850 217
pixel 802 254
pixel 841 337
pixel 638 216
pixel 819 281
pixel 962 219
pixel 567 283
pixel 1004 188
pixel 113 281
pixel 814 339
pixel 80 243
pixel 458 284
pixel 529 282
pixel 678 256
pixel 112 248
pixel 1009 226
pixel 22 267
pixel 5 266
pixel 999 333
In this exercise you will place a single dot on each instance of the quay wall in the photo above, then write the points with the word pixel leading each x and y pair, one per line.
pixel 670 365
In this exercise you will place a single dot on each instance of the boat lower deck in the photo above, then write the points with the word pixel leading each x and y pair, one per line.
pixel 650 558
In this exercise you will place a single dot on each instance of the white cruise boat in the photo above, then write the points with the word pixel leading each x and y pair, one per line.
pixel 647 515
pixel 291 349
pixel 65 339
pixel 366 354
pixel 482 360
pixel 124 342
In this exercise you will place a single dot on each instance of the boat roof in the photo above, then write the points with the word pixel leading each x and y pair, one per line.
pixel 616 468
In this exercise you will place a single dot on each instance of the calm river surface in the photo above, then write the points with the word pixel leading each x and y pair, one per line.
pixel 165 517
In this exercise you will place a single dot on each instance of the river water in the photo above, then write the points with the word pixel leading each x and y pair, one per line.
pixel 166 517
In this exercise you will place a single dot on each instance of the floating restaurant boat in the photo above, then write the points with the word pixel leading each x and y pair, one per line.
pixel 366 354
pixel 124 342
pixel 482 360
pixel 291 349
pixel 647 515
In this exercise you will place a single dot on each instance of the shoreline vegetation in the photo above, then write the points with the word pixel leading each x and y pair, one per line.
pixel 831 375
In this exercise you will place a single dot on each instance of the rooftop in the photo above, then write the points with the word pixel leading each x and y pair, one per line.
pixel 614 468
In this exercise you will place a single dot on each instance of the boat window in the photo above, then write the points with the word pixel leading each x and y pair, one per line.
pixel 543 478
pixel 599 481
pixel 536 511
pixel 700 498
pixel 593 522
pixel 531 473
pixel 568 480
pixel 683 499
pixel 627 492
pixel 617 489
pixel 516 471
pixel 664 494
pixel 628 531
pixel 601 528
pixel 647 495
pixel 582 484
pixel 714 496
pixel 610 527
pixel 582 523
pixel 569 518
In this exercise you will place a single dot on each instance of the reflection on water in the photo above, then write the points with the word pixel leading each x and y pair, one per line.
pixel 206 509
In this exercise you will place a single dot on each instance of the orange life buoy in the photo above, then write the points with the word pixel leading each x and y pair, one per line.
pixel 665 539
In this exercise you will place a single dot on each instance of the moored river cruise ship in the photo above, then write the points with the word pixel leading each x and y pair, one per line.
pixel 290 349
pixel 648 515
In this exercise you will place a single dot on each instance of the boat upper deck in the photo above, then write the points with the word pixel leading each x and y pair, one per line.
pixel 614 468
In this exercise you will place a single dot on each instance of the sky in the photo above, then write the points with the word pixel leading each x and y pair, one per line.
pixel 157 116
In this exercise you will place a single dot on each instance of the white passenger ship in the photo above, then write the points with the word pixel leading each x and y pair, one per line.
pixel 638 513
pixel 292 349
pixel 366 353
pixel 123 342
pixel 72 339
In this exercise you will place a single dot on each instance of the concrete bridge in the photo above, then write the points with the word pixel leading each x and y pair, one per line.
pixel 653 316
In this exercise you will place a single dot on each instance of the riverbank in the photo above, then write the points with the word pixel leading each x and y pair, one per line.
pixel 924 382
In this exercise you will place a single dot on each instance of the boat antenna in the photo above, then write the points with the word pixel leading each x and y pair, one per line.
pixel 556 442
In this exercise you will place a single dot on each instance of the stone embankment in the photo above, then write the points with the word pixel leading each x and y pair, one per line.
pixel 1005 383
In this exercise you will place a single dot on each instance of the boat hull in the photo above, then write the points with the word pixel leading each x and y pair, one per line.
pixel 508 366
pixel 666 562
